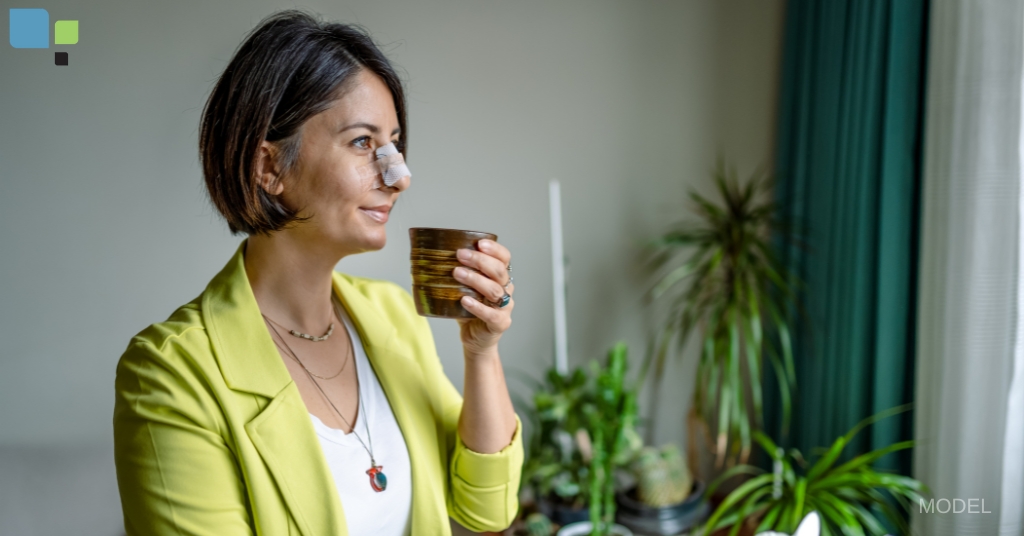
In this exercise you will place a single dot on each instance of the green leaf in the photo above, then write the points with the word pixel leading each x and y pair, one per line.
pixel 742 469
pixel 740 410
pixel 750 508
pixel 868 458
pixel 826 461
pixel 799 493
pixel 765 442
pixel 868 520
pixel 843 514
pixel 735 497
pixel 768 522
pixel 783 524
pixel 893 516
pixel 780 377
pixel 905 485
pixel 673 277
pixel 708 361
pixel 727 521
pixel 875 418
pixel 754 366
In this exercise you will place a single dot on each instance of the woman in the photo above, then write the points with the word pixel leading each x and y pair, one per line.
pixel 289 398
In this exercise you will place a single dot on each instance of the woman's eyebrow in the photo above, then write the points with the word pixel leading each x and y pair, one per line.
pixel 367 126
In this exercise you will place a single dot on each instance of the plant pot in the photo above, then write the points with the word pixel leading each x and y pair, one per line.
pixel 561 513
pixel 583 528
pixel 662 521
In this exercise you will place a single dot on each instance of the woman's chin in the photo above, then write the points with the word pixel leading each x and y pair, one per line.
pixel 375 241
pixel 358 239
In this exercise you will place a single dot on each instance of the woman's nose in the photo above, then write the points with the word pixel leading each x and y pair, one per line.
pixel 400 185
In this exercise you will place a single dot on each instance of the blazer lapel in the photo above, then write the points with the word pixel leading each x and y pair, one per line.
pixel 282 432
pixel 401 378
pixel 284 436
pixel 246 353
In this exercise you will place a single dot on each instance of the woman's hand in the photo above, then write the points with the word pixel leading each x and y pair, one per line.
pixel 487 423
pixel 487 272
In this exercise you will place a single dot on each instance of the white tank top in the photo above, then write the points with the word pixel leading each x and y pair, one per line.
pixel 386 513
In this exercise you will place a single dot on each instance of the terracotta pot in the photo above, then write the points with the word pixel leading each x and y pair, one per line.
pixel 434 289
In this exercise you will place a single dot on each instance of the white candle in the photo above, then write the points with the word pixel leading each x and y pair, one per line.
pixel 558 262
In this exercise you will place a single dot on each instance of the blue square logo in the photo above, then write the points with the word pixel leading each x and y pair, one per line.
pixel 30 28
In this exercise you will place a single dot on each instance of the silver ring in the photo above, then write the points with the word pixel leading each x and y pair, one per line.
pixel 509 282
pixel 504 300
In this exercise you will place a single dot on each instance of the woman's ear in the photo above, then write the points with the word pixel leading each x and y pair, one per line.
pixel 266 170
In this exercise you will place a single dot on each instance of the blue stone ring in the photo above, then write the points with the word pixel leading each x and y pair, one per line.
pixel 504 300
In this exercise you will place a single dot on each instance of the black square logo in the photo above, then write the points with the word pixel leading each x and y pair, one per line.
pixel 60 58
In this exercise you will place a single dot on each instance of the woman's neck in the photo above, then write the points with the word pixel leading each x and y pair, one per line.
pixel 292 281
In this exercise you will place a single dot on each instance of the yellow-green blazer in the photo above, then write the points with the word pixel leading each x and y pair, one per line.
pixel 211 436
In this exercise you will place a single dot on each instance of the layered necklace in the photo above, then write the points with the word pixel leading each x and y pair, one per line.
pixel 378 481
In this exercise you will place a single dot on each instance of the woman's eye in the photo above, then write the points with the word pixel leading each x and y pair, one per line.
pixel 363 142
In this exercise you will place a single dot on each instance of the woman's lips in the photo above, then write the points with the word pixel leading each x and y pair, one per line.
pixel 377 214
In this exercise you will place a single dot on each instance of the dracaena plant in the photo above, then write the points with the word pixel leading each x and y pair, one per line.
pixel 723 281
pixel 845 495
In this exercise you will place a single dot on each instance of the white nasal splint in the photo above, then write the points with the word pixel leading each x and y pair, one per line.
pixel 388 166
pixel 392 164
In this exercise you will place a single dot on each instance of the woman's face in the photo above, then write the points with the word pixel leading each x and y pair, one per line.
pixel 347 210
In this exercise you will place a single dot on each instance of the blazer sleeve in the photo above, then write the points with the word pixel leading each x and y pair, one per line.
pixel 483 489
pixel 175 472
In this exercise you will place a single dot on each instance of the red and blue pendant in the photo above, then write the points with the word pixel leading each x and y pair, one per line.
pixel 378 481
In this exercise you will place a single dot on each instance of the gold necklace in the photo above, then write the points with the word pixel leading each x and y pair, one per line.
pixel 335 375
pixel 307 336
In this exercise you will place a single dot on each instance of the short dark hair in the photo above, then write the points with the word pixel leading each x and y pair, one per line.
pixel 291 67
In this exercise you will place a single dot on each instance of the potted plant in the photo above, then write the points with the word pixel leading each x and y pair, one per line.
pixel 845 496
pixel 666 499
pixel 555 468
pixel 610 411
pixel 736 291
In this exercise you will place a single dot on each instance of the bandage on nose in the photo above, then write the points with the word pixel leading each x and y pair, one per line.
pixel 388 167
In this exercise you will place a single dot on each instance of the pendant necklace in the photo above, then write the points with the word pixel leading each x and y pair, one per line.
pixel 378 481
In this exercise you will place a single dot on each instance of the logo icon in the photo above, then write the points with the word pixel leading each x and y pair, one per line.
pixel 30 28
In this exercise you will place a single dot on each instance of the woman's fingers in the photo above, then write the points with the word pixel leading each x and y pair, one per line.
pixel 484 285
pixel 487 271
pixel 495 250
pixel 492 260
pixel 498 320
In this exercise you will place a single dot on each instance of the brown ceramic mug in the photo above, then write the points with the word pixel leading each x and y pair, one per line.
pixel 434 289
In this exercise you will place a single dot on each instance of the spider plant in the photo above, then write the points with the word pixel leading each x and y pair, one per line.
pixel 724 280
pixel 844 495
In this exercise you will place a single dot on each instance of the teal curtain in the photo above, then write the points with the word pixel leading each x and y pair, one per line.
pixel 848 171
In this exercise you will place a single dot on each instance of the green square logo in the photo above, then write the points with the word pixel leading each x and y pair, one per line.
pixel 65 32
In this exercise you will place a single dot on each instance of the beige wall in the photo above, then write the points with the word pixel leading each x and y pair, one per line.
pixel 106 228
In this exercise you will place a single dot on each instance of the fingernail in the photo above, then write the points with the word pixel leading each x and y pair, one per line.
pixel 485 245
pixel 464 254
pixel 468 301
pixel 460 272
